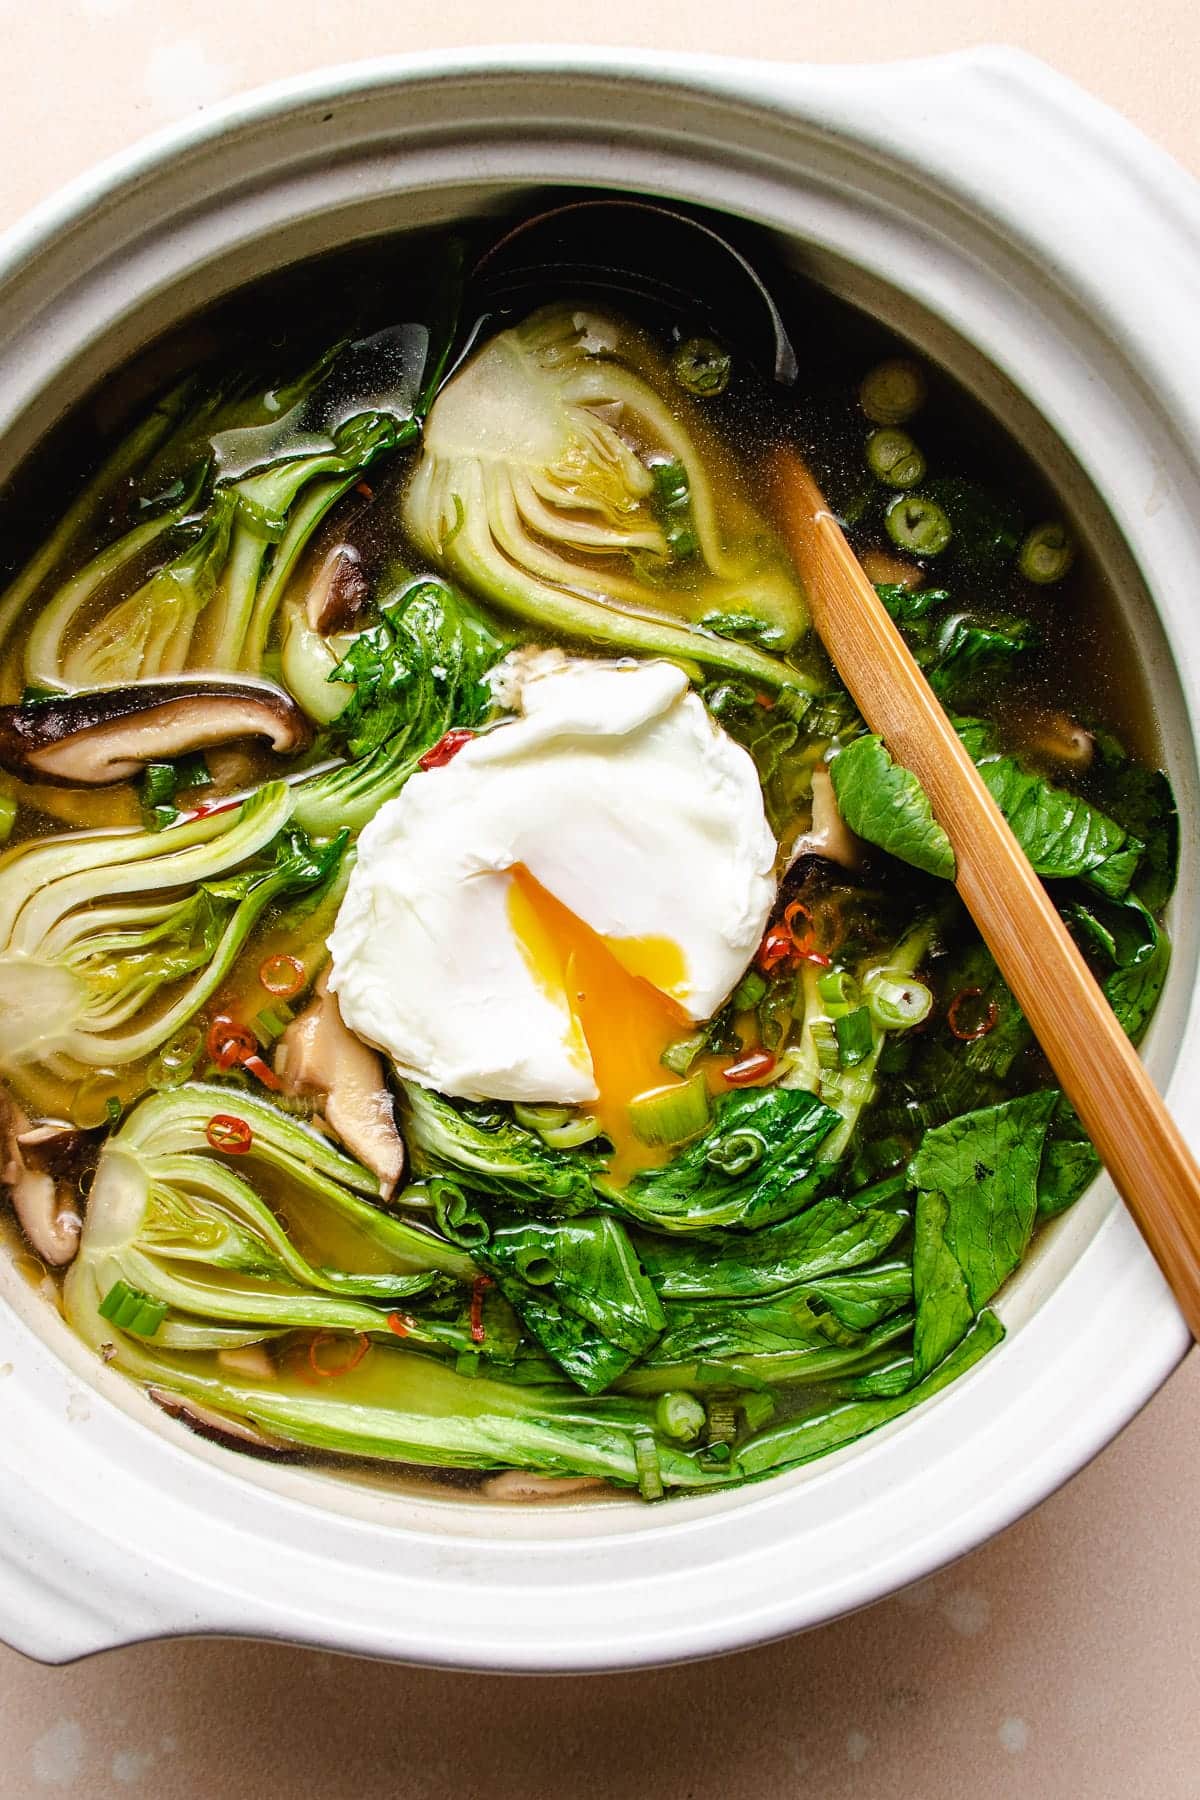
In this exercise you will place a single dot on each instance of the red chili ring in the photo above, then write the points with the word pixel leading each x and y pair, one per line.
pixel 282 975
pixel 752 1068
pixel 225 1131
pixel 356 1356
pixel 987 1023
pixel 482 1284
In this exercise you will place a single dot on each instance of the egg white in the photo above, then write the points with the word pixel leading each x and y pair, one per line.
pixel 621 795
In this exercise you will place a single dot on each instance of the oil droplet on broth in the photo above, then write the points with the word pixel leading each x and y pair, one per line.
pixel 617 993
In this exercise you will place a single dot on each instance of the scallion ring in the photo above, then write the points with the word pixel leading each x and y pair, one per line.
pixel 701 367
pixel 893 457
pixel 896 1001
pixel 892 391
pixel 1047 553
pixel 917 525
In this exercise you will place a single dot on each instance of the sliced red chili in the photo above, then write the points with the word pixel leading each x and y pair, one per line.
pixel 750 1069
pixel 482 1284
pixel 445 749
pixel 282 975
pixel 330 1372
pixel 229 1043
pixel 208 809
pixel 961 1025
pixel 225 1131
pixel 811 936
pixel 364 488
pixel 776 948
pixel 399 1324
pixel 765 701
pixel 255 1066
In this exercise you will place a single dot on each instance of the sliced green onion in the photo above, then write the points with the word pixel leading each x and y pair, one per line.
pixel 561 1127
pixel 892 391
pixel 839 992
pixel 893 457
pixel 776 1012
pixel 535 1267
pixel 645 1456
pixel 917 525
pixel 272 1022
pixel 896 1001
pixel 737 1151
pixel 8 816
pixel 679 1056
pixel 758 1409
pixel 584 1128
pixel 855 1038
pixel 701 367
pixel 671 1115
pixel 457 1218
pixel 1047 553
pixel 722 1421
pixel 112 1110
pixel 158 785
pixel 825 1044
pixel 192 771
pixel 681 1416
pixel 673 504
pixel 748 992
pixel 131 1310
pixel 176 1060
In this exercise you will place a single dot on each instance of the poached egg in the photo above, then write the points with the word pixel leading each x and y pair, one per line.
pixel 538 918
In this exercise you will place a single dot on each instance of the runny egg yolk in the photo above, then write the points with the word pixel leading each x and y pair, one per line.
pixel 617 992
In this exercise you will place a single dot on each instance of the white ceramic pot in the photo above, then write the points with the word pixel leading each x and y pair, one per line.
pixel 1050 258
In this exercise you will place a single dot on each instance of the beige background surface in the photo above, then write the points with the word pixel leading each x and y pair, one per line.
pixel 1061 1660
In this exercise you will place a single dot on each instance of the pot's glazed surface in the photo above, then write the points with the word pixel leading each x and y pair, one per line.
pixel 165 1535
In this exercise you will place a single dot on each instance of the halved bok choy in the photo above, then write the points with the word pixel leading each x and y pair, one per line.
pixel 112 940
pixel 192 1283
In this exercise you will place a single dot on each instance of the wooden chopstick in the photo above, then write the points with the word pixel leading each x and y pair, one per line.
pixel 1095 1063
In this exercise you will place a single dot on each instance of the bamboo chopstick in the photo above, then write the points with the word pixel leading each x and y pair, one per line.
pixel 1098 1068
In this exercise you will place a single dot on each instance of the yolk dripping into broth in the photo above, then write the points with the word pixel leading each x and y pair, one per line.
pixel 616 990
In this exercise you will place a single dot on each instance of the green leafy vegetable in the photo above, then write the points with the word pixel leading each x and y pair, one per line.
pixel 529 494
pixel 415 675
pixel 1061 833
pixel 491 1154
pixel 706 1187
pixel 828 1239
pixel 887 805
pixel 581 1291
pixel 188 1232
pixel 783 1340
pixel 800 1440
pixel 110 941
pixel 976 1179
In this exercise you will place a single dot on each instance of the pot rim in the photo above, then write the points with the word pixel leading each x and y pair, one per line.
pixel 71 1581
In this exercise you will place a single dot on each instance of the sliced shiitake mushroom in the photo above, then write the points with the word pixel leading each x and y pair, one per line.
pixel 318 1054
pixel 218 1427
pixel 828 836
pixel 338 593
pixel 35 1168
pixel 110 734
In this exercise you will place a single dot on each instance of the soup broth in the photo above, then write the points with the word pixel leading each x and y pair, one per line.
pixel 307 626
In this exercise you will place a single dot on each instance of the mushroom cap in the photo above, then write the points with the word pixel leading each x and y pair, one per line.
pixel 109 734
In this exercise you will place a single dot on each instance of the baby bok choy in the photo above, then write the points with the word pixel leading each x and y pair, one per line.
pixel 415 675
pixel 229 482
pixel 192 1282
pixel 112 940
pixel 179 1247
pixel 557 483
